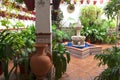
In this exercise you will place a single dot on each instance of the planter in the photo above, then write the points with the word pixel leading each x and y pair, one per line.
pixel 88 1
pixel 56 4
pixel 40 63
pixel 30 4
pixel 81 1
pixel 94 2
pixel 71 8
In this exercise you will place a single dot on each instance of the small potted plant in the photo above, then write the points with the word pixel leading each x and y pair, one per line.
pixel 94 2
pixel 71 8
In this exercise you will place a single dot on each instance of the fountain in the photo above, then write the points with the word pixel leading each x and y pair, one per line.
pixel 78 40
pixel 79 47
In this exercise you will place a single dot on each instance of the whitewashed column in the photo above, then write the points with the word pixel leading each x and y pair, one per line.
pixel 43 30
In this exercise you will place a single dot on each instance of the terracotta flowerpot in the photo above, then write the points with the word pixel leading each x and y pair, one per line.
pixel 30 4
pixel 88 1
pixel 94 2
pixel 81 1
pixel 40 63
pixel 56 4
pixel 1 71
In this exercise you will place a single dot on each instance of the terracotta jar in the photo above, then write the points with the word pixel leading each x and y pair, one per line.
pixel 40 62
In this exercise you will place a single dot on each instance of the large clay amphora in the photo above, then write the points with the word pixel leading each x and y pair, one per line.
pixel 40 63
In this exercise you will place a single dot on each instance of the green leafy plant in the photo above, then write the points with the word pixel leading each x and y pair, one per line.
pixel 111 58
pixel 8 46
pixel 23 59
pixel 112 8
pixel 61 57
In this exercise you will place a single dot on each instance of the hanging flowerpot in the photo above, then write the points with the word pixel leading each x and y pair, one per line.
pixel 30 4
pixel 81 1
pixel 40 63
pixel 94 2
pixel 70 8
pixel 88 1
pixel 56 4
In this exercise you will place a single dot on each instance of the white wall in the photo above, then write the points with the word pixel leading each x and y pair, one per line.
pixel 74 17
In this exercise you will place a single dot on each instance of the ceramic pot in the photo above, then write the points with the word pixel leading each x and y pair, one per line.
pixel 94 2
pixel 40 63
pixel 30 4
pixel 88 1
pixel 81 1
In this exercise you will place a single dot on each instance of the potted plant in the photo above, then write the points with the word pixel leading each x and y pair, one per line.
pixel 111 58
pixel 60 58
pixel 71 8
pixel 27 36
pixel 8 45
pixel 60 55
pixel 81 1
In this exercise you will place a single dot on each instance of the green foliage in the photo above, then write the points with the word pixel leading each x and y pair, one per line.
pixel 89 14
pixel 8 45
pixel 57 16
pixel 112 8
pixel 111 58
pixel 18 25
pixel 16 46
pixel 57 34
pixel 5 22
pixel 61 57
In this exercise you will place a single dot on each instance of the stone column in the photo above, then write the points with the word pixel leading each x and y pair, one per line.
pixel 43 30
pixel 43 23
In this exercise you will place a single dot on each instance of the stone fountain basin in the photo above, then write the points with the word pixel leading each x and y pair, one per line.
pixel 82 52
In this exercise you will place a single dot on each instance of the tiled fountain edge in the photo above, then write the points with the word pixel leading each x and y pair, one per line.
pixel 82 53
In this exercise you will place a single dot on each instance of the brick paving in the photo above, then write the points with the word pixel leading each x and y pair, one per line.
pixel 83 68
pixel 80 68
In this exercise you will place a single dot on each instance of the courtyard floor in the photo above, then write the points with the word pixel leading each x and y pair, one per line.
pixel 80 68
pixel 85 68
